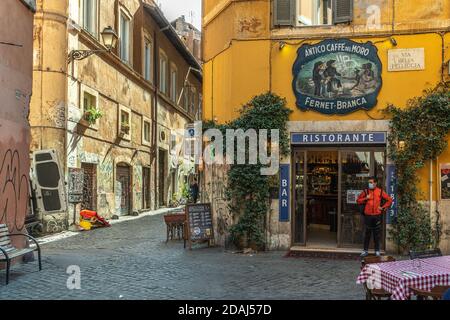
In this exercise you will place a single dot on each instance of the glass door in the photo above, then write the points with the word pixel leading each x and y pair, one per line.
pixel 299 198
pixel 356 167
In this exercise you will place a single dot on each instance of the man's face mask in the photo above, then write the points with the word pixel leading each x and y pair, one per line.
pixel 371 186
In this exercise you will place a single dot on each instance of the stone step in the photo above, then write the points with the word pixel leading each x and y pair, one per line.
pixel 325 253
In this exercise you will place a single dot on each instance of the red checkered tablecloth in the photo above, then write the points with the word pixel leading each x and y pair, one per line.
pixel 396 277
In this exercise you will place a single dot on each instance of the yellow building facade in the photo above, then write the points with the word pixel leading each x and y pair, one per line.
pixel 286 47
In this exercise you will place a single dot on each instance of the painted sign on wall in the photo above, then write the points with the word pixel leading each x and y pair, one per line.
pixel 316 138
pixel 406 59
pixel 391 186
pixel 337 76
pixel 284 192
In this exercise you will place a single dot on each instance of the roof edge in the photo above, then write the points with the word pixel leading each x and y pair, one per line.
pixel 172 35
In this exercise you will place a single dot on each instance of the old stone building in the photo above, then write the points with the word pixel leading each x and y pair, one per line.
pixel 108 107
pixel 190 35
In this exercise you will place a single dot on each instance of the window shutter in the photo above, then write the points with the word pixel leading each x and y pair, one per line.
pixel 342 11
pixel 284 12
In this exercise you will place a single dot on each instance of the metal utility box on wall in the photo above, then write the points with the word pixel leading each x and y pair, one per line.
pixel 48 182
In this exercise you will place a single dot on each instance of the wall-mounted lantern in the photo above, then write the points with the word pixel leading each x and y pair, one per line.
pixel 109 37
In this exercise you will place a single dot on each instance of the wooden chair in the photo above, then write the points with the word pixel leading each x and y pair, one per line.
pixel 8 252
pixel 435 294
pixel 376 294
pixel 374 259
pixel 425 254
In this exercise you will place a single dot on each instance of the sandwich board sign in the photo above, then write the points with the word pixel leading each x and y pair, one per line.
pixel 199 226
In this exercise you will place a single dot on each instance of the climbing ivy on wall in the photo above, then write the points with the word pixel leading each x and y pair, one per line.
pixel 418 135
pixel 247 190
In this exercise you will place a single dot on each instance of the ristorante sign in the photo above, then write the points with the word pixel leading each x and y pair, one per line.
pixel 337 76
pixel 316 138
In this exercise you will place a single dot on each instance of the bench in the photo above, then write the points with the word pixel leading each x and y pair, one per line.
pixel 8 252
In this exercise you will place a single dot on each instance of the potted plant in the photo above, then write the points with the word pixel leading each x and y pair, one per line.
pixel 125 128
pixel 91 115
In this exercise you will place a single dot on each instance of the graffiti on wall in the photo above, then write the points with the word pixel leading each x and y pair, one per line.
pixel 56 113
pixel 104 204
pixel 14 190
pixel 105 176
pixel 137 186
pixel 252 25
pixel 214 193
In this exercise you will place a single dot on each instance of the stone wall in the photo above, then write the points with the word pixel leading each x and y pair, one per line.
pixel 16 52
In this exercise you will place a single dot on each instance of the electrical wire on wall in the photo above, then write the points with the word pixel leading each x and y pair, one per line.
pixel 11 44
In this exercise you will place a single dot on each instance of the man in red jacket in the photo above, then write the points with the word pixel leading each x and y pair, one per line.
pixel 372 199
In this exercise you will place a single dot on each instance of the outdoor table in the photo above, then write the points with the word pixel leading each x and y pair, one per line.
pixel 396 277
pixel 175 222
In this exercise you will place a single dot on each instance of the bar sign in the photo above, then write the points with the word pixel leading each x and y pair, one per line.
pixel 392 192
pixel 284 197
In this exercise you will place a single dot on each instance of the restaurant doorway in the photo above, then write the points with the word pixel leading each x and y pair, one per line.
pixel 327 182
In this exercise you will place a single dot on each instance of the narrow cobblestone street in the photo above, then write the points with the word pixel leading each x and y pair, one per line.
pixel 132 261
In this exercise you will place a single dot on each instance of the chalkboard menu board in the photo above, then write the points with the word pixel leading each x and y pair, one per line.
pixel 75 185
pixel 200 225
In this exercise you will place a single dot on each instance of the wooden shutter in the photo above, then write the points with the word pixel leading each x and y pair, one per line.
pixel 284 12
pixel 342 11
pixel 31 4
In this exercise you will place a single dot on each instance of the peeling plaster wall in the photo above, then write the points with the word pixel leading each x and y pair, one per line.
pixel 15 93
pixel 212 190
pixel 48 104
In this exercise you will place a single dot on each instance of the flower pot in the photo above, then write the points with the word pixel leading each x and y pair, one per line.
pixel 83 121
pixel 125 130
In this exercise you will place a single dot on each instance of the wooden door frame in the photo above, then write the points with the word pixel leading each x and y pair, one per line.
pixel 294 196
pixel 372 150
pixel 339 150
pixel 130 184
pixel 146 193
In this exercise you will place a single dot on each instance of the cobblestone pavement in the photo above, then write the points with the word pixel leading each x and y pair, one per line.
pixel 132 261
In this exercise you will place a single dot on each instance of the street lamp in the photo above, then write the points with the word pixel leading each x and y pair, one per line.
pixel 109 37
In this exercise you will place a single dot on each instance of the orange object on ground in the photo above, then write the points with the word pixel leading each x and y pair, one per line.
pixel 94 218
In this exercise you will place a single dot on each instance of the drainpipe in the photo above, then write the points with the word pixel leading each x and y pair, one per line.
pixel 438 197
pixel 431 186
pixel 155 115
